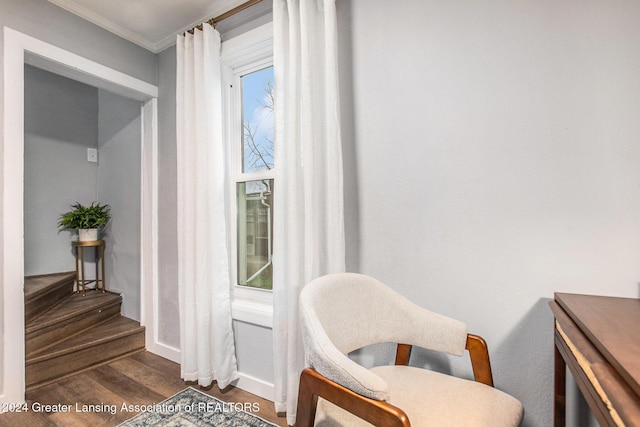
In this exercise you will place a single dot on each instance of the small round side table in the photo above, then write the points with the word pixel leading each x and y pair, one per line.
pixel 80 277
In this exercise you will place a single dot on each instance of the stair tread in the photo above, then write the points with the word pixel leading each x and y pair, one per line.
pixel 35 286
pixel 114 328
pixel 72 306
pixel 67 333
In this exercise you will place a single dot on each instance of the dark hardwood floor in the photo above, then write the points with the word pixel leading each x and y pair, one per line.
pixel 139 379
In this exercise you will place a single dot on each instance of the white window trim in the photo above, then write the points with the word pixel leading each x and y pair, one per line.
pixel 248 52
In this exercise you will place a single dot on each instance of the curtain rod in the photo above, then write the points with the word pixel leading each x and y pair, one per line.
pixel 214 21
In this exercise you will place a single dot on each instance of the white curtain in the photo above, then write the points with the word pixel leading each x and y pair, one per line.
pixel 309 219
pixel 206 337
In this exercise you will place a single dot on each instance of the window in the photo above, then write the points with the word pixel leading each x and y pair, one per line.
pixel 255 231
pixel 249 76
pixel 255 196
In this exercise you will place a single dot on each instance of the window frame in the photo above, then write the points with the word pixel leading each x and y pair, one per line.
pixel 242 55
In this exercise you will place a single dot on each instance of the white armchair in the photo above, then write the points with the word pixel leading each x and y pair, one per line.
pixel 343 312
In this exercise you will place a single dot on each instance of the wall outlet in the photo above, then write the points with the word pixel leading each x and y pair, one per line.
pixel 92 155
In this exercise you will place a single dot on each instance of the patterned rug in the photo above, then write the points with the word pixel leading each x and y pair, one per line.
pixel 192 408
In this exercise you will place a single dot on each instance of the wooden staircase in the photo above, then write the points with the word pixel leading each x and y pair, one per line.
pixel 66 333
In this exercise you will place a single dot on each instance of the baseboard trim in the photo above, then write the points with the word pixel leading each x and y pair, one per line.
pixel 255 386
pixel 165 350
pixel 246 382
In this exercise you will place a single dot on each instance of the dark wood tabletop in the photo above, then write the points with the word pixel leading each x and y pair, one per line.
pixel 598 339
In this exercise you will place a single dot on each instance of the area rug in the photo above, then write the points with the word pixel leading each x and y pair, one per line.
pixel 191 408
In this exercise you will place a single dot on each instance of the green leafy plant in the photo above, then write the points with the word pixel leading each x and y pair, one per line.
pixel 93 216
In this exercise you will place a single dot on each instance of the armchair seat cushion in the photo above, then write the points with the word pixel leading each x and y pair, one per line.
pixel 433 399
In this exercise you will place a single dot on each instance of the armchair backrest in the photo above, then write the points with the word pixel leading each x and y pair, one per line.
pixel 346 311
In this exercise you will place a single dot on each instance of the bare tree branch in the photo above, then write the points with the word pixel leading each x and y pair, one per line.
pixel 268 101
pixel 260 155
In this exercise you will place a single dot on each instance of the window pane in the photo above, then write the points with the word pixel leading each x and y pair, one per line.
pixel 257 121
pixel 255 224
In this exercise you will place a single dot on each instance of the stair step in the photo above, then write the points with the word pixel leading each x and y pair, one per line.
pixel 75 315
pixel 98 345
pixel 42 292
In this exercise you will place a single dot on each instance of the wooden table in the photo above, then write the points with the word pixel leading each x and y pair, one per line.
pixel 598 339
pixel 80 277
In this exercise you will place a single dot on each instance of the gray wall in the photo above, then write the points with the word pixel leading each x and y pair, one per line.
pixel 168 315
pixel 118 185
pixel 61 122
pixel 492 158
pixel 169 327
pixel 45 21
pixel 62 119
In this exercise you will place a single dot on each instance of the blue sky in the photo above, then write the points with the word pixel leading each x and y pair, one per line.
pixel 254 113
pixel 253 89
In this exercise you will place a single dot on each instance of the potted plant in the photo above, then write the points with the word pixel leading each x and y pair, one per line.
pixel 86 219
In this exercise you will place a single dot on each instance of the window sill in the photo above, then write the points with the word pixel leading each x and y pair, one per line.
pixel 256 313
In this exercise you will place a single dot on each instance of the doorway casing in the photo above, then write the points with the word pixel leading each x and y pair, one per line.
pixel 19 49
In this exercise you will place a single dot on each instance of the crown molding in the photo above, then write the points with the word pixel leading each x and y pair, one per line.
pixel 215 8
pixel 108 25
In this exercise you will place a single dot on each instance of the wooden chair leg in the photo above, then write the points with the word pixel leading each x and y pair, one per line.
pixel 314 385
pixel 307 401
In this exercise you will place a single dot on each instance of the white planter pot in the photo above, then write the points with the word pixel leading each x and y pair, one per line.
pixel 87 234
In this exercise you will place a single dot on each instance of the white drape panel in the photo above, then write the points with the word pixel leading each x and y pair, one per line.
pixel 309 218
pixel 206 337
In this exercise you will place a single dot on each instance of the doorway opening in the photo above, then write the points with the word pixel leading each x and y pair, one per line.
pixel 64 123
pixel 20 49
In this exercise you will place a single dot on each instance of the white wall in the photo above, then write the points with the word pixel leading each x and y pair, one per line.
pixel 493 157
pixel 254 352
